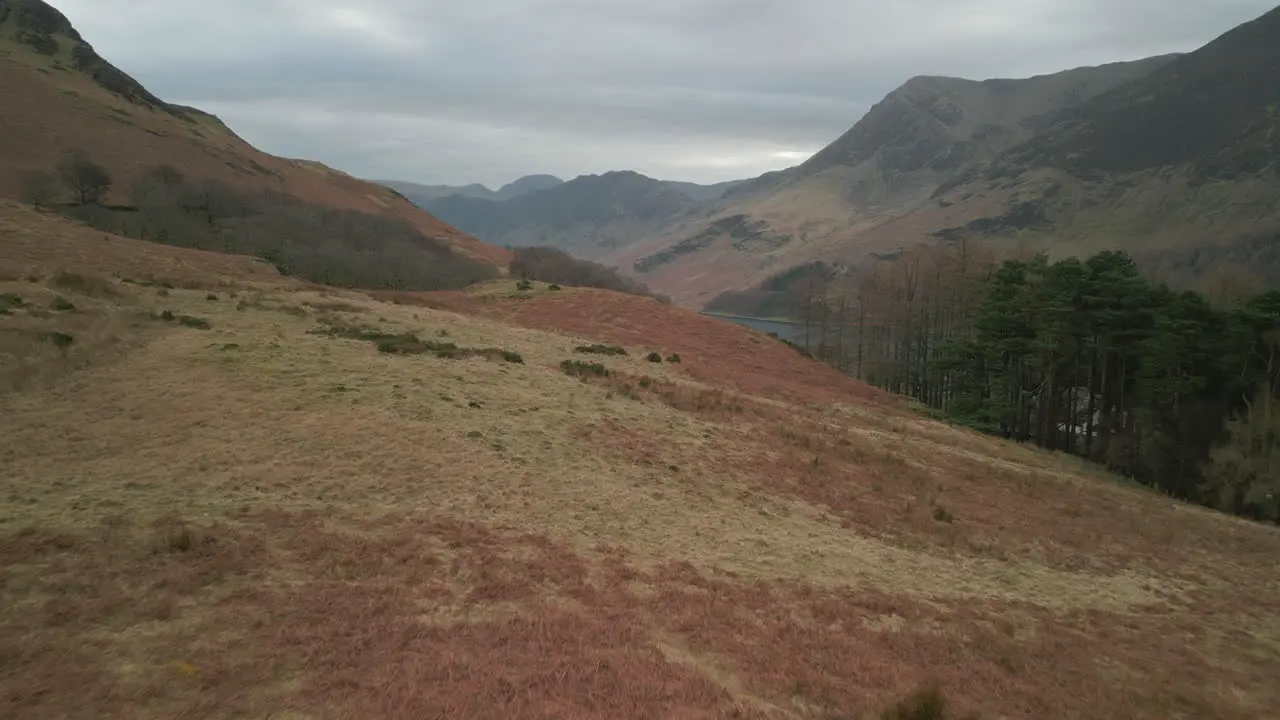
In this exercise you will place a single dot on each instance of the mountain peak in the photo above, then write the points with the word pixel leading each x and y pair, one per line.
pixel 527 184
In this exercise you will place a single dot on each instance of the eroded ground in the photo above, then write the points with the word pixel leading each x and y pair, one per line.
pixel 265 518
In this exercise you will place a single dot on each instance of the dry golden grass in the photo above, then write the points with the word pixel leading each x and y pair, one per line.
pixel 261 520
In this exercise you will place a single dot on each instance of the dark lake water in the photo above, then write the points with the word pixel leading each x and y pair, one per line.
pixel 792 331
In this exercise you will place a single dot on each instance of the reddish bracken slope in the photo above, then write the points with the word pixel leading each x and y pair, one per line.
pixel 714 350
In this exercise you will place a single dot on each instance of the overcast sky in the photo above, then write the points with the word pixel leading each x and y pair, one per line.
pixel 704 90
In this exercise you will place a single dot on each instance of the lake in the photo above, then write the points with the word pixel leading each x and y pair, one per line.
pixel 785 329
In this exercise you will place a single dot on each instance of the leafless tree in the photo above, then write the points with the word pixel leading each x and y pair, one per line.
pixel 86 178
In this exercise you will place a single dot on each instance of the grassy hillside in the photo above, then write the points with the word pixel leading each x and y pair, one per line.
pixel 59 96
pixel 233 493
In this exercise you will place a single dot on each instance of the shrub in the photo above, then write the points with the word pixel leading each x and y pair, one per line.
pixel 654 357
pixel 673 358
pixel 794 346
pixel 185 320
pixel 601 350
pixel 410 344
pixel 555 288
pixel 943 515
pixel 59 340
pixel 10 302
pixel 61 304
pixel 927 703
pixel 194 322
pixel 85 285
pixel 524 285
pixel 580 369
pixel 211 297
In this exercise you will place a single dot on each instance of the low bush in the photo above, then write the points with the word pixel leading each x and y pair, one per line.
pixel 580 369
pixel 10 302
pixel 61 304
pixel 85 285
pixel 601 350
pixel 674 358
pixel 194 322
pixel 59 340
pixel 654 357
pixel 925 704
pixel 408 343
pixel 190 321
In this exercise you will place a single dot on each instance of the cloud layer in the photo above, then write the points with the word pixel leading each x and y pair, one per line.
pixel 701 90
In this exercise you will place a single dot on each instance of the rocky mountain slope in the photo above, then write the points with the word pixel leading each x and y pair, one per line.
pixel 59 95
pixel 1181 168
pixel 1173 159
pixel 891 161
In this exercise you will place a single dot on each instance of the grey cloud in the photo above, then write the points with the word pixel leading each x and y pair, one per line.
pixel 701 90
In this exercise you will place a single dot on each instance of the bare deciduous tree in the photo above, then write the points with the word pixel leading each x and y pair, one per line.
pixel 86 178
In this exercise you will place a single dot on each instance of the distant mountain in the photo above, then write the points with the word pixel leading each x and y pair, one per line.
pixel 895 158
pixel 421 195
pixel 526 185
pixel 570 218
pixel 704 193
pixel 588 215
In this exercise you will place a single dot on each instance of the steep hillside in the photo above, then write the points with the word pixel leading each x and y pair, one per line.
pixel 59 95
pixel 586 216
pixel 893 160
pixel 229 493
pixel 1183 162
pixel 1180 168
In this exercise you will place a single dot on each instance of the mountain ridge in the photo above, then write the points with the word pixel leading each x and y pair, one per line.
pixel 72 99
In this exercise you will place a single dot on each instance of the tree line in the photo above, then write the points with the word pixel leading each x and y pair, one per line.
pixel 1179 390
pixel 319 243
